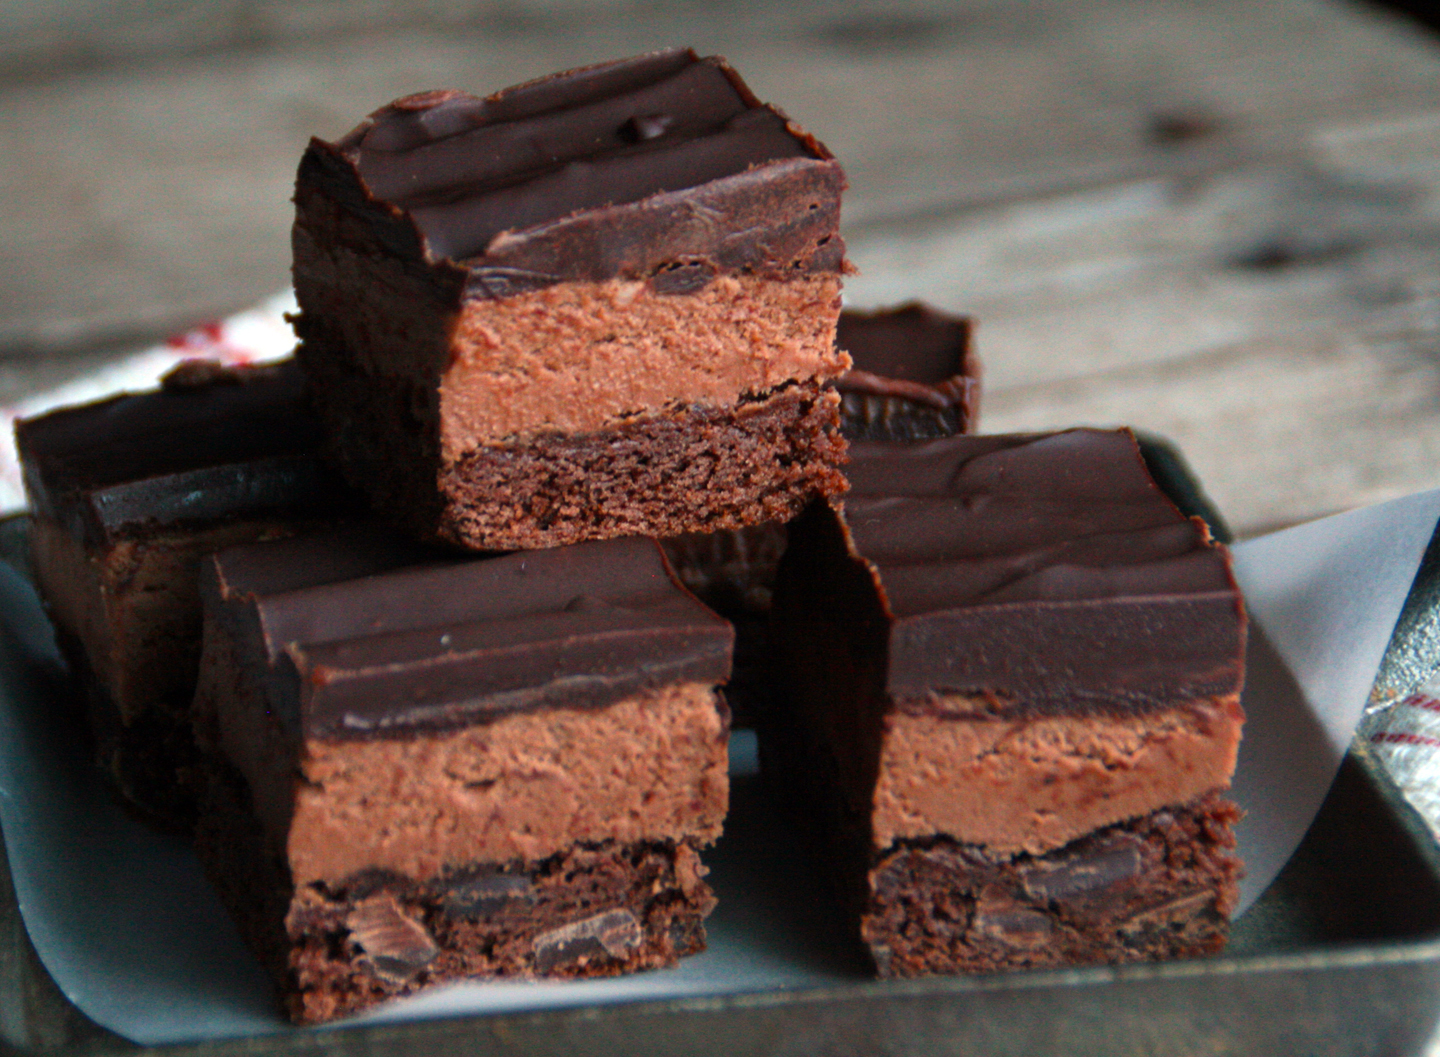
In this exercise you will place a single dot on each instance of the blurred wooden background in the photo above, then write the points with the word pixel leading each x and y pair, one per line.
pixel 1218 221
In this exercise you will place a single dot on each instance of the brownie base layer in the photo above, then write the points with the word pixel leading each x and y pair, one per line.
pixel 696 468
pixel 334 950
pixel 1155 888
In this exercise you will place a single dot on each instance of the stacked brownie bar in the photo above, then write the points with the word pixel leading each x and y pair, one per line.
pixel 1016 672
pixel 127 495
pixel 599 304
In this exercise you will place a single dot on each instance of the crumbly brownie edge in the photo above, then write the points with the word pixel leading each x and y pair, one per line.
pixel 690 469
pixel 336 950
pixel 1158 887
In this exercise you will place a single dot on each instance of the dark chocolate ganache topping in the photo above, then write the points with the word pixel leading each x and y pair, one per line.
pixel 390 651
pixel 624 168
pixel 1042 565
pixel 238 442
pixel 468 168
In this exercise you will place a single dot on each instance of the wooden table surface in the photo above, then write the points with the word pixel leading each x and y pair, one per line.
pixel 1219 221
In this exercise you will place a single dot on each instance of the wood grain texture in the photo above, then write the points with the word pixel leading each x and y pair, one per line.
pixel 1220 222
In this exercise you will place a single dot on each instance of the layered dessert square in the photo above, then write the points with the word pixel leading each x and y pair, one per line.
pixel 1014 670
pixel 916 375
pixel 127 495
pixel 598 304
pixel 483 767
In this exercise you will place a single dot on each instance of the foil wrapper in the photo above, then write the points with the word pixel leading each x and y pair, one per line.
pixel 1406 738
pixel 1402 719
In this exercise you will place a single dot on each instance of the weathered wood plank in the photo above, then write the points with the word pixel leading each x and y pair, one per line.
pixel 150 195
pixel 1279 321
pixel 1218 222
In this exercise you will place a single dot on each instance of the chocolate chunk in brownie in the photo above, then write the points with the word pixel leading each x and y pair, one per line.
pixel 1002 648
pixel 598 304
pixel 469 767
pixel 126 496
pixel 1155 887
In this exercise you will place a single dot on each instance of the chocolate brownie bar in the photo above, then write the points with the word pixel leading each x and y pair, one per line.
pixel 1016 671
pixel 467 768
pixel 598 304
pixel 126 496
pixel 916 375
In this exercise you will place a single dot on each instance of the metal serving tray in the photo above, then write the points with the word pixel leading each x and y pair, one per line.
pixel 1341 956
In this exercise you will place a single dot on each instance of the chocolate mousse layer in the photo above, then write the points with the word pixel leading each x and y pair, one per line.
pixel 536 737
pixel 992 781
pixel 127 495
pixel 1002 646
pixel 612 254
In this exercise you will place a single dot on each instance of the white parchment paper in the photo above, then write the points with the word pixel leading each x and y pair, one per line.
pixel 259 334
pixel 129 929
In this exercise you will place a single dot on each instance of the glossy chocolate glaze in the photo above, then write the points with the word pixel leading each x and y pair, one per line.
pixel 364 547
pixel 242 443
pixel 445 643
pixel 1046 569
pixel 664 165
pixel 912 355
